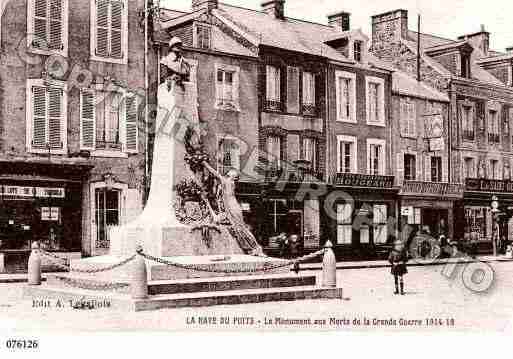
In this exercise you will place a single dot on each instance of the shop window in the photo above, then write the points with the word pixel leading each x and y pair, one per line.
pixel 475 223
pixel 107 214
pixel 380 218
pixel 284 216
pixel 344 223
pixel 409 167
pixel 436 169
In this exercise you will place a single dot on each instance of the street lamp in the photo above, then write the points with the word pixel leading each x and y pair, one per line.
pixel 495 224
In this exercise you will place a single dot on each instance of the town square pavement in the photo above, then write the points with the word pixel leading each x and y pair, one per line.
pixel 369 304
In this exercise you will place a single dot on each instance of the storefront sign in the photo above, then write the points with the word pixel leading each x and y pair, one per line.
pixel 434 126
pixel 27 191
pixel 488 185
pixel 360 180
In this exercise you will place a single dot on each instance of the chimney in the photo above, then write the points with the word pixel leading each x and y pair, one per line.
pixel 479 40
pixel 390 27
pixel 204 5
pixel 340 21
pixel 275 8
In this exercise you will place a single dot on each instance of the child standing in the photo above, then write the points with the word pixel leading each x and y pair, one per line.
pixel 398 258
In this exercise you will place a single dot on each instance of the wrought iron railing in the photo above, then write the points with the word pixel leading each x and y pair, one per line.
pixel 274 105
pixel 309 109
pixel 468 135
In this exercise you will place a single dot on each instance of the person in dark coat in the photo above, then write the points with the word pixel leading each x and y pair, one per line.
pixel 398 258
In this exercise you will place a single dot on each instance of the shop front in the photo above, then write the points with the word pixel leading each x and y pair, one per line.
pixel 39 203
pixel 428 207
pixel 275 211
pixel 475 216
pixel 363 215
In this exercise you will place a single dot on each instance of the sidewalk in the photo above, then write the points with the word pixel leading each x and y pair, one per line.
pixel 22 277
pixel 411 263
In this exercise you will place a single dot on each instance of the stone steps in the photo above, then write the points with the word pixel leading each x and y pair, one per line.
pixel 181 300
pixel 192 285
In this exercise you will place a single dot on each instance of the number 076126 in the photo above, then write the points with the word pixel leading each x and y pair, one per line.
pixel 21 344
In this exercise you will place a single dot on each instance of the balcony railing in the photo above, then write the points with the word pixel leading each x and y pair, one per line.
pixel 468 135
pixel 494 138
pixel 363 180
pixel 273 105
pixel 309 109
pixel 432 189
pixel 488 185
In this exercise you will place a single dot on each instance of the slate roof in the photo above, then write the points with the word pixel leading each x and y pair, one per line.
pixel 404 84
pixel 289 34
pixel 430 42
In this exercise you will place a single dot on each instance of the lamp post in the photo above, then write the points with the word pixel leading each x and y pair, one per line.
pixel 495 222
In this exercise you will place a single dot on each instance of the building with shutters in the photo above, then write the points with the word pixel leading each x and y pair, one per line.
pixel 72 149
pixel 478 82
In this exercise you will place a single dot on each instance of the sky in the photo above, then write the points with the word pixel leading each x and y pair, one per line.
pixel 446 18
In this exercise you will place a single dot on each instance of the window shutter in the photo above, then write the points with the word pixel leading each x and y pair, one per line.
pixel 116 29
pixel 40 20
pixel 102 28
pixel 39 117
pixel 87 120
pixel 292 89
pixel 55 25
pixel 131 124
pixel 54 117
pixel 219 86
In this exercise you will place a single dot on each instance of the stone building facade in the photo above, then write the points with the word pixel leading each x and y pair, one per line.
pixel 72 138
pixel 478 83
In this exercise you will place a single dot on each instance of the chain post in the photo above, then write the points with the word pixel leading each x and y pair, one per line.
pixel 139 285
pixel 34 265
pixel 329 267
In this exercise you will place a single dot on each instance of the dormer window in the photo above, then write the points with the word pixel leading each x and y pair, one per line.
pixel 203 36
pixel 465 66
pixel 357 51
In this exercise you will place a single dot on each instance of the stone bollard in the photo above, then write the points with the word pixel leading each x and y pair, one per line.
pixel 139 286
pixel 34 266
pixel 329 267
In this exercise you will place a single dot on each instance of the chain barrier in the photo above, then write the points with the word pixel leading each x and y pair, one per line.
pixel 211 267
pixel 87 271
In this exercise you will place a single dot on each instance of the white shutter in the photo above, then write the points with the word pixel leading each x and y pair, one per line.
pixel 40 21
pixel 130 124
pixel 116 18
pixel 87 120
pixel 102 28
pixel 55 19
pixel 39 117
pixel 55 117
